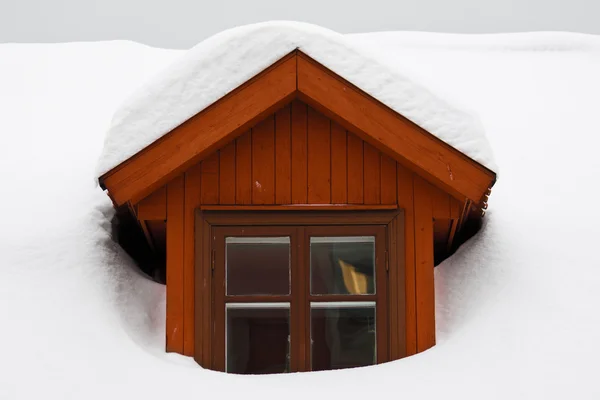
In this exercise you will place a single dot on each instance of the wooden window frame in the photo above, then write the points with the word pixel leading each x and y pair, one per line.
pixel 393 303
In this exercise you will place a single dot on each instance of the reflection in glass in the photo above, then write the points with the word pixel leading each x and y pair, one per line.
pixel 257 265
pixel 343 335
pixel 342 265
pixel 257 338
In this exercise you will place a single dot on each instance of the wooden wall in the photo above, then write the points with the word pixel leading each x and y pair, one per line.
pixel 299 156
pixel 296 156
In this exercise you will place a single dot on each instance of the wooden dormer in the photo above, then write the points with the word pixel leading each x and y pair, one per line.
pixel 299 148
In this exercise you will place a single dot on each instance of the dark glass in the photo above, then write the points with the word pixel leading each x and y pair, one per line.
pixel 342 265
pixel 257 266
pixel 258 339
pixel 342 336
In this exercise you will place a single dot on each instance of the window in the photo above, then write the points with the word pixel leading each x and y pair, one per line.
pixel 298 297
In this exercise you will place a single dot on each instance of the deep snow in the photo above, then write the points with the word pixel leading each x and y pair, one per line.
pixel 516 306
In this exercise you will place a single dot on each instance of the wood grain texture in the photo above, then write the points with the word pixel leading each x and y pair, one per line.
pixel 451 235
pixel 425 289
pixel 372 174
pixel 263 162
pixel 210 179
pixel 202 134
pixel 193 193
pixel 175 239
pixel 397 285
pixel 283 155
pixel 227 174
pixel 200 284
pixel 302 207
pixel 406 202
pixel 355 169
pixel 400 283
pixel 395 135
pixel 243 169
pixel 394 292
pixel 455 208
pixel 440 203
pixel 319 162
pixel 388 180
pixel 299 156
pixel 154 206
pixel 339 165
pixel 202 292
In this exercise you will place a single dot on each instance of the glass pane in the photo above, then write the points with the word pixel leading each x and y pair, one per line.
pixel 257 338
pixel 342 265
pixel 257 265
pixel 342 335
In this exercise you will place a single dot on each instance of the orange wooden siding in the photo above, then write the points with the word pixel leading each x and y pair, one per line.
pixel 296 155
pixel 299 156
pixel 175 249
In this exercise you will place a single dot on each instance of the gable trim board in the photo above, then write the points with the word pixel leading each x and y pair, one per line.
pixel 297 76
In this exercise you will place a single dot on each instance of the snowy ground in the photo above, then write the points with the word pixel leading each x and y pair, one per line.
pixel 517 306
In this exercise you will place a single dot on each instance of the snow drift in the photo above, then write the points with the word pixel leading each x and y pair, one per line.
pixel 516 306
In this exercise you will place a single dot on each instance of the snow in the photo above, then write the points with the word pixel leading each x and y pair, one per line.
pixel 223 62
pixel 517 306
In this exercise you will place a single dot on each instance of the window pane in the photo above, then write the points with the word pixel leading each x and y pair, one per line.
pixel 258 338
pixel 257 265
pixel 342 265
pixel 342 335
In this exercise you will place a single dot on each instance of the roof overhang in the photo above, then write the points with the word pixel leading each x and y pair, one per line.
pixel 297 76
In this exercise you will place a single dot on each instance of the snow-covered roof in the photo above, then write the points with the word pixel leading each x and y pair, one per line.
pixel 223 62
pixel 516 307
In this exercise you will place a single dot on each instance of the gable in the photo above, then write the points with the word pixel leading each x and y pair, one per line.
pixel 297 76
pixel 297 156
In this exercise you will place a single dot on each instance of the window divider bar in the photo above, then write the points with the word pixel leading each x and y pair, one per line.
pixel 278 305
pixel 342 304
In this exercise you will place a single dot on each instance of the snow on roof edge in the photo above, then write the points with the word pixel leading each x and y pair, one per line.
pixel 221 63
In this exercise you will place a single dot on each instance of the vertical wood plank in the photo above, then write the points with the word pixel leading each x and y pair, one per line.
pixel 355 169
pixel 319 153
pixel 263 162
pixel 210 179
pixel 425 291
pixel 192 197
pixel 206 290
pixel 199 280
pixel 154 206
pixel 283 156
pixel 227 174
pixel 175 285
pixel 440 203
pixel 243 169
pixel 388 180
pixel 299 156
pixel 400 250
pixel 455 208
pixel 394 292
pixel 406 201
pixel 339 174
pixel 372 172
